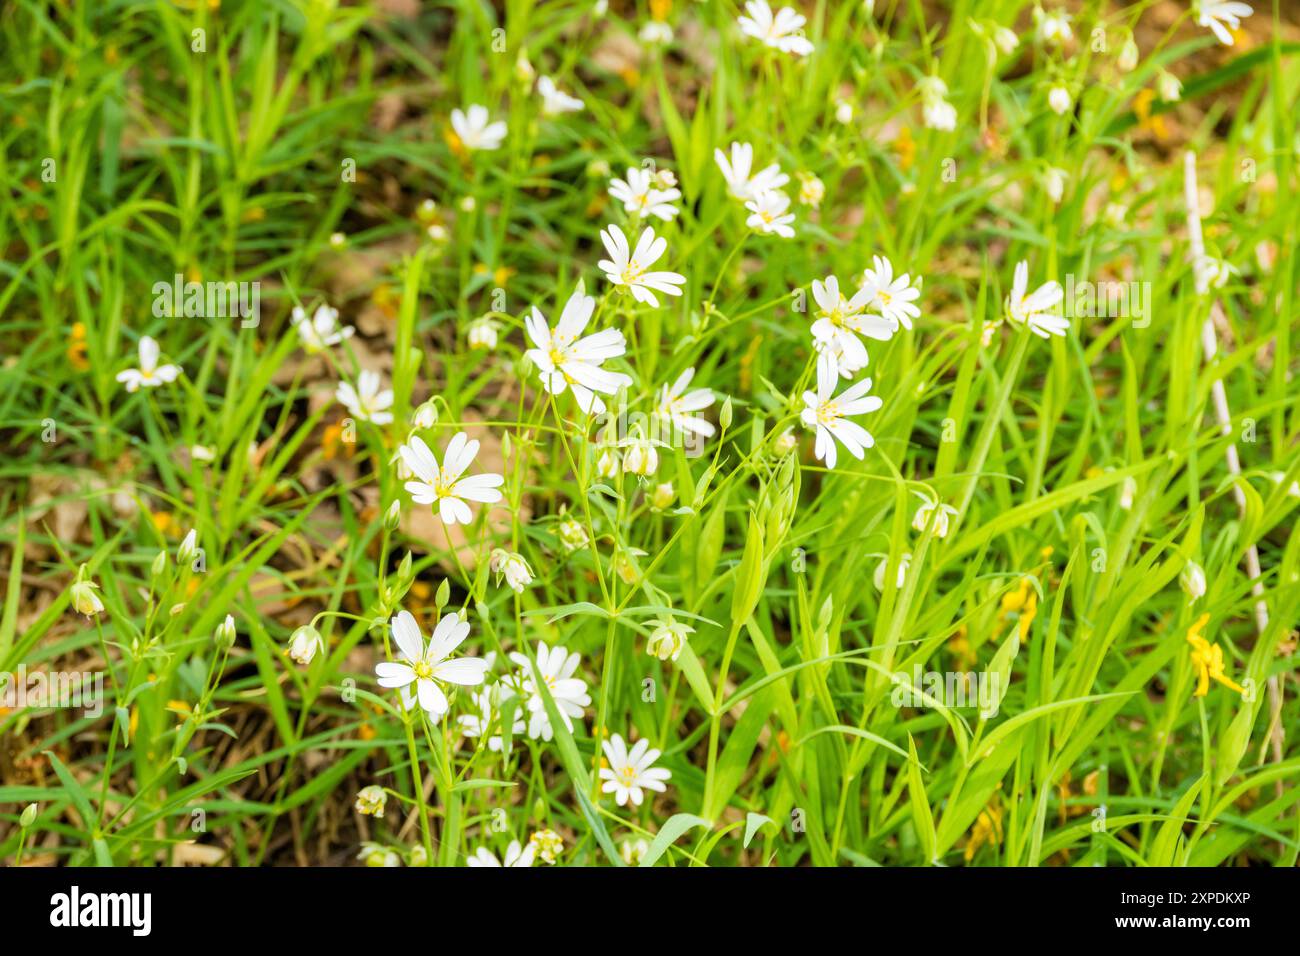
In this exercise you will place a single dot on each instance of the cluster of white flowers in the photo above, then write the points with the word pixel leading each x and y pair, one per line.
pixel 782 30
pixel 760 191
pixel 936 111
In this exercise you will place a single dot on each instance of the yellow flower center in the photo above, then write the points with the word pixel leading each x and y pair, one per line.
pixel 423 670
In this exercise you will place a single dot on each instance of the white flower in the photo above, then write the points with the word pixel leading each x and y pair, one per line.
pixel 828 415
pixel 781 32
pixel 548 844
pixel 904 562
pixel 304 643
pixel 629 772
pixel 640 458
pixel 513 567
pixel 572 535
pixel 844 112
pixel 444 486
pixel 1058 98
pixel 1219 15
pixel 667 639
pixel 640 194
pixel 557 667
pixel 428 667
pixel 483 333
pixel 515 856
pixel 1005 40
pixel 150 373
pixel 524 71
pixel 676 405
pixel 785 443
pixel 932 88
pixel 554 100
pixel 939 114
pixel 736 172
pixel 811 190
pixel 1212 273
pixel 370 801
pixel 891 297
pixel 1054 183
pixel 839 322
pixel 1036 309
pixel 564 360
pixel 768 214
pixel 1053 27
pixel 373 854
pixel 84 599
pixel 633 850
pixel 1192 580
pixel 933 510
pixel 479 723
pixel 1128 55
pixel 366 401
pixel 656 33
pixel 322 330
pixel 608 464
pixel 1277 477
pixel 626 267
pixel 1127 490
pixel 475 131
pixel 1168 86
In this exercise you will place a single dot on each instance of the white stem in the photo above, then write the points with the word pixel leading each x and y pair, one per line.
pixel 1210 345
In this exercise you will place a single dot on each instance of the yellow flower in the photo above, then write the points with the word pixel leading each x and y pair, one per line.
pixel 1207 658
pixel 1155 124
pixel 77 347
pixel 906 148
pixel 987 829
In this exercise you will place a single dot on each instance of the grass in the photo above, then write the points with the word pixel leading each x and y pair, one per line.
pixel 1086 471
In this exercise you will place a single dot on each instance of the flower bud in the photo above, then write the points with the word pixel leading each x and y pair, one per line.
pixel 304 643
pixel 189 549
pixel 667 639
pixel 483 334
pixel 159 566
pixel 1005 40
pixel 225 635
pixel 393 516
pixel 444 593
pixel 662 496
pixel 513 567
pixel 1169 87
pixel 641 458
pixel 725 416
pixel 1058 98
pixel 1192 580
pixel 425 417
pixel 28 816
pixel 84 599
